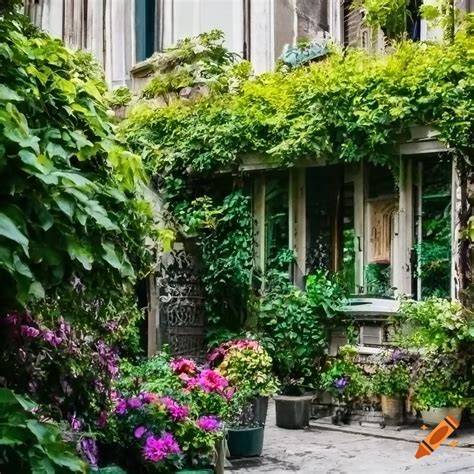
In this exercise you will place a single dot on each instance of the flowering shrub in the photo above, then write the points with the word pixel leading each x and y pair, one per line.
pixel 171 414
pixel 344 378
pixel 391 373
pixel 68 372
pixel 247 366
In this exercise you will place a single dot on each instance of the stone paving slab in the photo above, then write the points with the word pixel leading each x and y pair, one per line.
pixel 337 450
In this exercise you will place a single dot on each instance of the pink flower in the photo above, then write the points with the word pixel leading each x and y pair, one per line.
pixel 212 381
pixel 149 397
pixel 139 432
pixel 182 365
pixel 209 423
pixel 29 331
pixel 229 393
pixel 156 449
pixel 177 412
pixel 121 407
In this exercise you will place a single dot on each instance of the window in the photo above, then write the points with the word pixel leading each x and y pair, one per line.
pixel 146 28
pixel 381 209
pixel 432 250
pixel 276 215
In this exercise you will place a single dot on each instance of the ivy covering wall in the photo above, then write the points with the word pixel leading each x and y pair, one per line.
pixel 349 107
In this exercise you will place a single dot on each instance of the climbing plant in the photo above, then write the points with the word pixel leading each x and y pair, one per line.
pixel 71 196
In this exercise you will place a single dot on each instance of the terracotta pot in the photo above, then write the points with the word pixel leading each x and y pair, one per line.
pixel 393 409
pixel 433 416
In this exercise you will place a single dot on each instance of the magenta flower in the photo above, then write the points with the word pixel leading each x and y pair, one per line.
pixel 121 407
pixel 209 423
pixel 156 449
pixel 29 331
pixel 134 402
pixel 182 365
pixel 177 412
pixel 212 381
pixel 139 432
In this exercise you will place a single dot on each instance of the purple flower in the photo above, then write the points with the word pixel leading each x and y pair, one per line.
pixel 341 383
pixel 29 331
pixel 121 407
pixel 139 431
pixel 209 423
pixel 50 337
pixel 88 449
pixel 134 403
pixel 75 423
pixel 156 449
pixel 177 412
pixel 64 327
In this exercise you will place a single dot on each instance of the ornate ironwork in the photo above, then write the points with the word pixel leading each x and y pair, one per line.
pixel 181 304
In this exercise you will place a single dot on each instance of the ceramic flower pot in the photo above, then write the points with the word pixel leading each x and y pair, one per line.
pixel 433 416
pixel 259 409
pixel 245 442
pixel 293 412
pixel 393 410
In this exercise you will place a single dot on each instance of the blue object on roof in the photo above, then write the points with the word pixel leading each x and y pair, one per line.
pixel 299 55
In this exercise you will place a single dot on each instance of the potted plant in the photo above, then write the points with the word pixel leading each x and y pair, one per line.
pixel 170 416
pixel 244 433
pixel 391 380
pixel 296 325
pixel 439 388
pixel 248 367
pixel 346 382
pixel 441 332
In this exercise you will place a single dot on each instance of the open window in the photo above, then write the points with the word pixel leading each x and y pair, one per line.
pixel 432 227
pixel 381 209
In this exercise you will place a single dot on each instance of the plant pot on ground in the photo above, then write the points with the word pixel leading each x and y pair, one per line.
pixel 244 434
pixel 248 367
pixel 293 412
pixel 391 381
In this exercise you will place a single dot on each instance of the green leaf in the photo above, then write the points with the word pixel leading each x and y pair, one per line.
pixel 9 229
pixel 65 204
pixel 110 256
pixel 44 432
pixel 60 455
pixel 12 435
pixel 99 214
pixel 36 289
pixel 38 162
pixel 79 252
pixel 7 94
pixel 40 464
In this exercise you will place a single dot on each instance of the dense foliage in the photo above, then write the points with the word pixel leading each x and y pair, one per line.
pixel 349 107
pixel 68 186
pixel 29 444
pixel 295 326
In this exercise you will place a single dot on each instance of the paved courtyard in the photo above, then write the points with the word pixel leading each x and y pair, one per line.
pixel 317 450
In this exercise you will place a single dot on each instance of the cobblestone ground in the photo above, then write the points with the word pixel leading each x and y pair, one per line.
pixel 321 451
